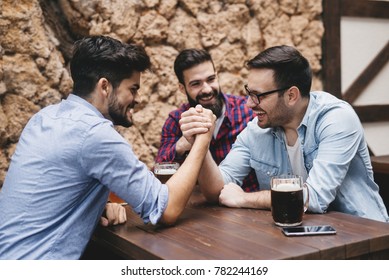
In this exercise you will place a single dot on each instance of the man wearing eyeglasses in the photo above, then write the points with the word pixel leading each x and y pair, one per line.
pixel 312 134
pixel 198 79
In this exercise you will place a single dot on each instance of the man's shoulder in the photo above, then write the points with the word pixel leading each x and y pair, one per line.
pixel 237 106
pixel 234 97
pixel 323 102
pixel 236 100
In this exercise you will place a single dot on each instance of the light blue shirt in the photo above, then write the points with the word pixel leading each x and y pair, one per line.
pixel 336 157
pixel 54 192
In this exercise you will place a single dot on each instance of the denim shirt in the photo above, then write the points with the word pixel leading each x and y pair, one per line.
pixel 67 159
pixel 336 157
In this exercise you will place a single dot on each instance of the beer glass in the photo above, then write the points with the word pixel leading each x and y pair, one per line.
pixel 287 200
pixel 164 170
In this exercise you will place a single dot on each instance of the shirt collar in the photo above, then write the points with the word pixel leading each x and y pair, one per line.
pixel 228 104
pixel 82 101
pixel 305 119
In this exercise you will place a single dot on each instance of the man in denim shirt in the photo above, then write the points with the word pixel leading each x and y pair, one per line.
pixel 70 156
pixel 312 134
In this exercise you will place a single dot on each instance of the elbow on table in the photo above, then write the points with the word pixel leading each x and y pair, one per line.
pixel 211 198
pixel 211 195
pixel 318 209
pixel 169 217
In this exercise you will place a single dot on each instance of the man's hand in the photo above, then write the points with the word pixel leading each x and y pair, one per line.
pixel 232 195
pixel 114 214
pixel 196 121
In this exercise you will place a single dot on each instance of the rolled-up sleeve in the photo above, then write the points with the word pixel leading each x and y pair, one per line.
pixel 338 144
pixel 108 157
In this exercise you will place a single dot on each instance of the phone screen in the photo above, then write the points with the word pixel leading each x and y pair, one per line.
pixel 308 230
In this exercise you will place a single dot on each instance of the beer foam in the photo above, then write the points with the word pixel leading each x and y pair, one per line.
pixel 165 171
pixel 287 187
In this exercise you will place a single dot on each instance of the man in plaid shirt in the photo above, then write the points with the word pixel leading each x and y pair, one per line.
pixel 197 78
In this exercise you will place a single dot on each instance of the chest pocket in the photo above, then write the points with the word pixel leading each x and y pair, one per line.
pixel 264 172
pixel 309 155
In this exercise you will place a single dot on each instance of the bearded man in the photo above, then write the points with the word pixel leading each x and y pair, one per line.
pixel 69 157
pixel 198 79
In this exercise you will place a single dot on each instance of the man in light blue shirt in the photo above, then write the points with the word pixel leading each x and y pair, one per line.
pixel 69 157
pixel 312 134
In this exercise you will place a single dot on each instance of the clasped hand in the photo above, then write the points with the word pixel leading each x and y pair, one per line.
pixel 114 214
pixel 195 121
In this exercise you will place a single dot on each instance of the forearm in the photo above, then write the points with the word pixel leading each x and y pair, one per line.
pixel 181 184
pixel 258 200
pixel 182 146
pixel 210 179
pixel 232 195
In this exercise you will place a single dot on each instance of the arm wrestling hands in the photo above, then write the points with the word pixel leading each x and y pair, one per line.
pixel 181 184
pixel 191 123
pixel 210 180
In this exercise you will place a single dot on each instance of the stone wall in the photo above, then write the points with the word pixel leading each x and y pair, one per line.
pixel 36 38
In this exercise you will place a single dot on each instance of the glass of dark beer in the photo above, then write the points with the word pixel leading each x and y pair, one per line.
pixel 287 200
pixel 164 170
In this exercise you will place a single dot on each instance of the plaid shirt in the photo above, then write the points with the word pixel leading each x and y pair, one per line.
pixel 236 117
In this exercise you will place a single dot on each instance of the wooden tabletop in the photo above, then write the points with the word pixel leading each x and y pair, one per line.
pixel 214 232
pixel 380 164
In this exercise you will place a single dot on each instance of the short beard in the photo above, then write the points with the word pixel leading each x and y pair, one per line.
pixel 216 108
pixel 115 112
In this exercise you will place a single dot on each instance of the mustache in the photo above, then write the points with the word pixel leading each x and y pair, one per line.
pixel 213 93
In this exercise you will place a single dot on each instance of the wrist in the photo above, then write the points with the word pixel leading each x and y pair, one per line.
pixel 259 200
pixel 182 147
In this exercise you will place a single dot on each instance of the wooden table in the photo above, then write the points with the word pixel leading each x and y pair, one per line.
pixel 214 232
pixel 380 164
pixel 381 176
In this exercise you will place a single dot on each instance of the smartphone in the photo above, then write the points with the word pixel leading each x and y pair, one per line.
pixel 308 230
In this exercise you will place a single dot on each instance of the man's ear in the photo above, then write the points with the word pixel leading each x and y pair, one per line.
pixel 103 87
pixel 181 87
pixel 293 94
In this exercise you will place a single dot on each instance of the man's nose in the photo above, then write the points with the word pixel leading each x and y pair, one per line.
pixel 206 88
pixel 250 103
pixel 138 98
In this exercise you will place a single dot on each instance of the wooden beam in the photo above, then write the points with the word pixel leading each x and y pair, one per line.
pixel 363 80
pixel 364 8
pixel 372 113
pixel 331 48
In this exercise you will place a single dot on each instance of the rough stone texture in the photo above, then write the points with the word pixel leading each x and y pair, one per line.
pixel 3 165
pixel 152 29
pixel 18 111
pixel 33 57
pixel 183 31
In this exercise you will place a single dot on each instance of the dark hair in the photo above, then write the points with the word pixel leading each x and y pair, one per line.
pixel 101 56
pixel 187 59
pixel 289 66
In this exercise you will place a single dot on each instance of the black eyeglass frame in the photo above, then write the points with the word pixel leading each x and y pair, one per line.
pixel 251 94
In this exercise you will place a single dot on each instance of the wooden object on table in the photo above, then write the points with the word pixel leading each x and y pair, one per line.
pixel 381 176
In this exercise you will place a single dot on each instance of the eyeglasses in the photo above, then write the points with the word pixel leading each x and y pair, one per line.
pixel 255 97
